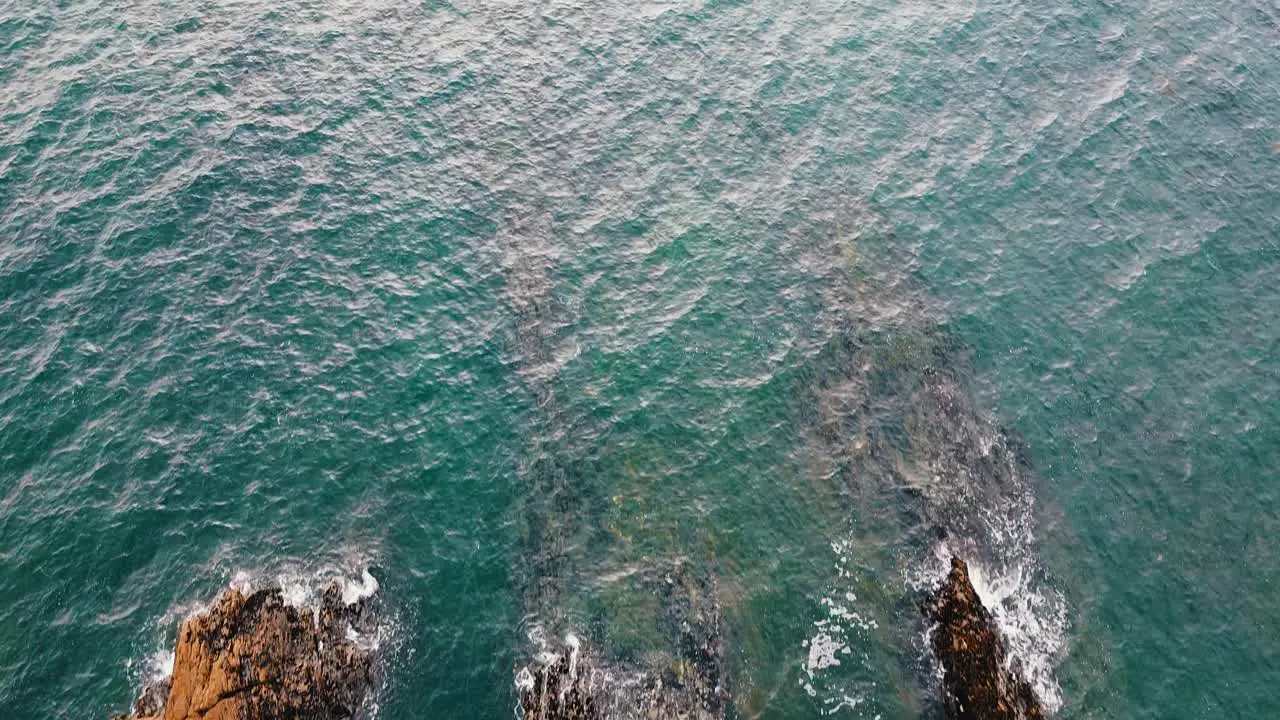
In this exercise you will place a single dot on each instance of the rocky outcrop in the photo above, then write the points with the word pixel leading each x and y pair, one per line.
pixel 254 657
pixel 686 683
pixel 976 682
pixel 576 684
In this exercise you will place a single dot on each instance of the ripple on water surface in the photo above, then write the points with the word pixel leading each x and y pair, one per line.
pixel 282 281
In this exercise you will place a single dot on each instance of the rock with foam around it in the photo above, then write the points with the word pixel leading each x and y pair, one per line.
pixel 685 683
pixel 976 683
pixel 254 657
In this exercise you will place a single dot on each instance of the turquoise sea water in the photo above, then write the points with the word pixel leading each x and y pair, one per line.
pixel 477 294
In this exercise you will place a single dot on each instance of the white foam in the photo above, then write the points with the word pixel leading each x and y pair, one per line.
pixel 302 589
pixel 836 634
pixel 160 665
pixel 524 680
pixel 572 641
pixel 354 591
pixel 243 582
pixel 297 593
pixel 822 653
pixel 1033 621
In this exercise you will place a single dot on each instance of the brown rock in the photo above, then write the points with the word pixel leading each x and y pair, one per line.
pixel 252 657
pixel 976 684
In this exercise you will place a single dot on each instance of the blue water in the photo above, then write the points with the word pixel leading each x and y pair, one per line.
pixel 471 294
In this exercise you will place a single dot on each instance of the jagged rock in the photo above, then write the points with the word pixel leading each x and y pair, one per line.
pixel 578 685
pixel 561 690
pixel 976 683
pixel 686 684
pixel 253 657
pixel 151 703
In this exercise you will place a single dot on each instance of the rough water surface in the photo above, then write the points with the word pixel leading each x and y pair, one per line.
pixel 526 305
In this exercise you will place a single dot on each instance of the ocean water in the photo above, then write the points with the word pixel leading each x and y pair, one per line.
pixel 518 305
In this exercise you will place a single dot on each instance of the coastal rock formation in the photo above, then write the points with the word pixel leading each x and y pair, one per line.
pixel 254 657
pixel 576 683
pixel 976 683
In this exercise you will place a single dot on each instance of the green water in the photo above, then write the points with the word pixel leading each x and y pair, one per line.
pixel 475 293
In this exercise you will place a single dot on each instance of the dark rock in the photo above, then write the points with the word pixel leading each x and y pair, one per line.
pixel 976 683
pixel 253 657
pixel 578 685
pixel 686 684
pixel 561 690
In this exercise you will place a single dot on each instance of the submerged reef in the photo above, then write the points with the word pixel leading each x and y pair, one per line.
pixel 976 682
pixel 252 656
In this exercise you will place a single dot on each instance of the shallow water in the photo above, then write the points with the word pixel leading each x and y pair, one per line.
pixel 471 294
